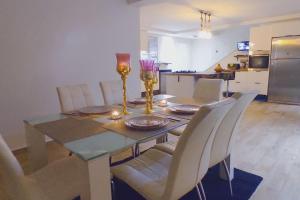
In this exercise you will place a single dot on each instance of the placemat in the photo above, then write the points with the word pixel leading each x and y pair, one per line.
pixel 81 116
pixel 69 129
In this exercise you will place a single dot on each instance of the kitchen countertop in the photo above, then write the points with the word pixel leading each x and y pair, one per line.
pixel 222 75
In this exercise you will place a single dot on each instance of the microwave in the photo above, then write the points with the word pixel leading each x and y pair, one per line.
pixel 259 61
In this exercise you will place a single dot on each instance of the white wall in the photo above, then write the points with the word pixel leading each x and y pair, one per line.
pixel 44 44
pixel 143 40
pixel 176 51
pixel 206 53
pixel 202 54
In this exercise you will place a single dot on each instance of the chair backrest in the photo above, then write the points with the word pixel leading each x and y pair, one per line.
pixel 74 97
pixel 11 172
pixel 224 138
pixel 192 154
pixel 208 90
pixel 112 92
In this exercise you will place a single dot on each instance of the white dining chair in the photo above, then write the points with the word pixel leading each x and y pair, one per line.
pixel 205 91
pixel 224 138
pixel 74 97
pixel 61 180
pixel 112 92
pixel 157 175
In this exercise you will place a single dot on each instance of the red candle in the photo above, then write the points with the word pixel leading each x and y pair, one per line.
pixel 123 62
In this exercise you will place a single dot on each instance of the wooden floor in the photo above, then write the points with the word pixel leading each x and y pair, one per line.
pixel 268 144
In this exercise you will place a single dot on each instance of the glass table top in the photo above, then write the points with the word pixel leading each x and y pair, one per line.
pixel 98 145
pixel 92 137
pixel 45 119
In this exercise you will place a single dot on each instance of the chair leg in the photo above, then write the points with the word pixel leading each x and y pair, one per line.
pixel 198 192
pixel 166 138
pixel 228 176
pixel 113 190
pixel 202 189
pixel 137 150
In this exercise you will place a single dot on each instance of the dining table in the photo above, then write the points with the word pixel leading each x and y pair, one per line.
pixel 94 138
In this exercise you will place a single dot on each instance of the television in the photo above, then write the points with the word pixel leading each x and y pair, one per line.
pixel 243 46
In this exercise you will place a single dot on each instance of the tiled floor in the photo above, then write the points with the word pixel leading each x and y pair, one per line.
pixel 268 144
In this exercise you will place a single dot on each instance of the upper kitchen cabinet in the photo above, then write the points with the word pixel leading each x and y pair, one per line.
pixel 260 38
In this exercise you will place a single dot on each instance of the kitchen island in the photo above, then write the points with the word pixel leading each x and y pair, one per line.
pixel 182 84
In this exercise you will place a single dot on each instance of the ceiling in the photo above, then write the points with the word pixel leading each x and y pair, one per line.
pixel 181 17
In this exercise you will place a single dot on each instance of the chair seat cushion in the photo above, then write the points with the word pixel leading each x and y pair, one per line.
pixel 64 179
pixel 147 174
pixel 178 131
pixel 167 147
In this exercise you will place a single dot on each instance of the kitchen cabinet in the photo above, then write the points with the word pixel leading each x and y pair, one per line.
pixel 180 85
pixel 260 38
pixel 250 80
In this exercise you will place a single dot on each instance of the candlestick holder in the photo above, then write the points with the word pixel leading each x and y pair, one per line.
pixel 148 88
pixel 153 82
pixel 123 68
pixel 148 74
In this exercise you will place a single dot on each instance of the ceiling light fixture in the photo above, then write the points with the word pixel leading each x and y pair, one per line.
pixel 205 26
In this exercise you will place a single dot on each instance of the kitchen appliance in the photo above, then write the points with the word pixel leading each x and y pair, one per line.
pixel 185 71
pixel 284 79
pixel 163 65
pixel 259 61
pixel 243 46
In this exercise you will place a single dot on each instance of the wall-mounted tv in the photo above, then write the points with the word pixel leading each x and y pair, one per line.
pixel 243 46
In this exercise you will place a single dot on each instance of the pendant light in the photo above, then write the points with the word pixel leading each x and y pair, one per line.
pixel 205 26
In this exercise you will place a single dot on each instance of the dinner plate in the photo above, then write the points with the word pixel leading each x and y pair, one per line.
pixel 138 101
pixel 94 110
pixel 184 109
pixel 146 122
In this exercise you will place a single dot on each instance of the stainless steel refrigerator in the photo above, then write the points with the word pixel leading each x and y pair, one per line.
pixel 284 79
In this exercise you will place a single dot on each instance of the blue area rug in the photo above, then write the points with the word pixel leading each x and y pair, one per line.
pixel 244 185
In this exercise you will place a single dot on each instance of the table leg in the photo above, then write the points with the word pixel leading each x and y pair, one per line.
pixel 136 150
pixel 99 178
pixel 222 172
pixel 36 148
pixel 227 88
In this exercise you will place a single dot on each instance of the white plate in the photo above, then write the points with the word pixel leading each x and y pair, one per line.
pixel 146 122
pixel 138 101
pixel 184 109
